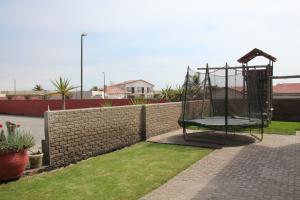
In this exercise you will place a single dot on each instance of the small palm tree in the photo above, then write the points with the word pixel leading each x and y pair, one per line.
pixel 38 87
pixel 94 88
pixel 63 87
pixel 166 93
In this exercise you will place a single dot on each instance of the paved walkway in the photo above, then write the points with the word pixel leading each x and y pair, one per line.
pixel 263 170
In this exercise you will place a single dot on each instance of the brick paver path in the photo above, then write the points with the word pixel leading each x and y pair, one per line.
pixel 265 170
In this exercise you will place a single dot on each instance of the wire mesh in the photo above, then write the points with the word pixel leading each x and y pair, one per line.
pixel 223 94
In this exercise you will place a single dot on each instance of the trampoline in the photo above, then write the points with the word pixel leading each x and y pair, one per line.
pixel 227 98
pixel 214 122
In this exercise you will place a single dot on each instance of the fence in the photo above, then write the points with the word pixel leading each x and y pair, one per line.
pixel 286 109
pixel 36 108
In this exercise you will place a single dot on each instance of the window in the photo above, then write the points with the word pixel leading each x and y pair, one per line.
pixel 148 89
pixel 132 90
pixel 140 89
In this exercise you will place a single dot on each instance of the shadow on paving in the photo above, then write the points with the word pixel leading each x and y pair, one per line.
pixel 257 172
pixel 208 139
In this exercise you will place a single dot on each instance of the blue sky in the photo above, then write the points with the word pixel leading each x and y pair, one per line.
pixel 140 39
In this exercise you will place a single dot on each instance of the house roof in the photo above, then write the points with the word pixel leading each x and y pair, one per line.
pixel 254 53
pixel 287 88
pixel 25 93
pixel 238 88
pixel 131 81
pixel 115 90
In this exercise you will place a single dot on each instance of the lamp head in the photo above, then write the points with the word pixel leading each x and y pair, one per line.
pixel 83 34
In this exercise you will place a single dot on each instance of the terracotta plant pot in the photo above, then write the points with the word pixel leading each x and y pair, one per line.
pixel 12 165
pixel 36 161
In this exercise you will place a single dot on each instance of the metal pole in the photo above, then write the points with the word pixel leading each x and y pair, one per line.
pixel 210 92
pixel 15 86
pixel 226 98
pixel 184 103
pixel 234 67
pixel 103 85
pixel 81 70
pixel 81 61
pixel 284 77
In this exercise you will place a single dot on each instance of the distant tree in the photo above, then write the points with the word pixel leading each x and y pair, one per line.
pixel 171 94
pixel 166 93
pixel 63 87
pixel 27 97
pixel 38 87
pixel 94 88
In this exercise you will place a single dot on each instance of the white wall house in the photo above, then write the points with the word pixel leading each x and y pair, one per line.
pixel 85 95
pixel 136 88
pixel 115 93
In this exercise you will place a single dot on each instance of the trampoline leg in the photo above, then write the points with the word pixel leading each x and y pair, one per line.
pixel 261 134
pixel 184 133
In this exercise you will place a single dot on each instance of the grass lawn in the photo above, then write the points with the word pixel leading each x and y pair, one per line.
pixel 129 173
pixel 276 127
pixel 285 128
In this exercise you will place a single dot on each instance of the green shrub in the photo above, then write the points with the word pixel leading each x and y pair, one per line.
pixel 140 101
pixel 15 140
pixel 106 103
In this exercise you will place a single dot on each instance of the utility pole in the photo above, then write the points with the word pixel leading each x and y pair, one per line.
pixel 81 74
pixel 103 85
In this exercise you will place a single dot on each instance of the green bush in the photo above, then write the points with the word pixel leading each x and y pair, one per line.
pixel 139 101
pixel 106 103
pixel 15 141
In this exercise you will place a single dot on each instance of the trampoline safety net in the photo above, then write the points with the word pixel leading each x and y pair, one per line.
pixel 226 97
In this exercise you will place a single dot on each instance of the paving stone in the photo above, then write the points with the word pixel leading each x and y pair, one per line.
pixel 263 170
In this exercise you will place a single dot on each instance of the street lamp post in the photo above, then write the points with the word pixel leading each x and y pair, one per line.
pixel 103 85
pixel 81 85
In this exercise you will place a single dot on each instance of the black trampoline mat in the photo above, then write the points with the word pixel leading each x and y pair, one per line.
pixel 220 122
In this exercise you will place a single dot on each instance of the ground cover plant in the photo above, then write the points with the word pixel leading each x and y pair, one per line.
pixel 129 173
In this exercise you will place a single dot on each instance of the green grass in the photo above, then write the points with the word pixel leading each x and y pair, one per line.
pixel 276 127
pixel 127 174
pixel 284 128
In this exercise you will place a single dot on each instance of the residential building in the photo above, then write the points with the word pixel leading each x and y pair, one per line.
pixel 115 93
pixel 23 95
pixel 136 88
pixel 286 91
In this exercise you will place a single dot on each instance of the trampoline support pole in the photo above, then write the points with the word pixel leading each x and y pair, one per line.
pixel 226 98
pixel 184 103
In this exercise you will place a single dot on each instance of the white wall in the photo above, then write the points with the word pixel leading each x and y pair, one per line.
pixel 143 84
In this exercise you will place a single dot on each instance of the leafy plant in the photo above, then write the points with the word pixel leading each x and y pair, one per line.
pixel 171 94
pixel 15 140
pixel 106 103
pixel 36 152
pixel 140 101
pixel 63 87
pixel 38 87
pixel 94 88
pixel 166 93
pixel 27 97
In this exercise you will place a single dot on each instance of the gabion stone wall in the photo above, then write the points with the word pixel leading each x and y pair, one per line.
pixel 74 135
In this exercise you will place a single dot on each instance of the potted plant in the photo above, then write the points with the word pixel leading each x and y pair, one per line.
pixel 35 159
pixel 13 151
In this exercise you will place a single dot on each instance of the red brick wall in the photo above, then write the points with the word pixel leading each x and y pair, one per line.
pixel 37 108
